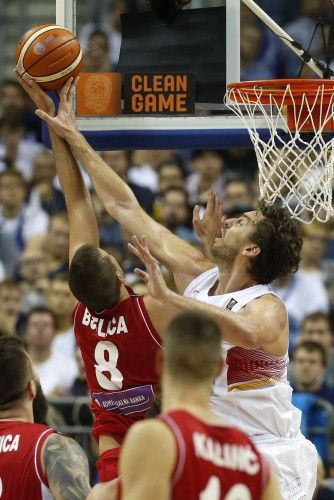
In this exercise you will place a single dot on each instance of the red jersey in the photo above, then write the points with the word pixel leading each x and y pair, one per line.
pixel 118 347
pixel 21 473
pixel 214 462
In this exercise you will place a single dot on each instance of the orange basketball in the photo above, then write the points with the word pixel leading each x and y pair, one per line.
pixel 49 54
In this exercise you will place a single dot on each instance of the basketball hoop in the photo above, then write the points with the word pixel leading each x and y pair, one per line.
pixel 296 162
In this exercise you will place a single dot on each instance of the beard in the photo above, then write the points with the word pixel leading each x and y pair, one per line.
pixel 222 251
pixel 39 406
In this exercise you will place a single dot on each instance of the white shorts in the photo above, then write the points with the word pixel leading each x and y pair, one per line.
pixel 294 461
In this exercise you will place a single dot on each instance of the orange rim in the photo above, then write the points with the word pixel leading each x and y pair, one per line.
pixel 277 89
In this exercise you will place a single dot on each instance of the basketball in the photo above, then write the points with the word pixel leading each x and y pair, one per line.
pixel 49 54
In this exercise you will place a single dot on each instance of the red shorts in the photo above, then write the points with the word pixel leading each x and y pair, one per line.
pixel 107 465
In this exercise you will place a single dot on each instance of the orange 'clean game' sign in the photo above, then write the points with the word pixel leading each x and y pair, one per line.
pixel 159 93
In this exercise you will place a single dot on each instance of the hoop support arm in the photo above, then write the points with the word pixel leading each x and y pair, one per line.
pixel 283 35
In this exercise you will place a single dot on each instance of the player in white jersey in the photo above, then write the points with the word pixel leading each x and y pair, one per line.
pixel 252 251
pixel 252 392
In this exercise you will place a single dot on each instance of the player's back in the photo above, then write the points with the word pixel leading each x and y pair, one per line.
pixel 21 473
pixel 118 347
pixel 214 462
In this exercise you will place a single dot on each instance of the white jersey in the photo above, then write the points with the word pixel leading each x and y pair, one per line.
pixel 252 391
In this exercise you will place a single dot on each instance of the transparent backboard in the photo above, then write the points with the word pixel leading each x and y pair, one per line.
pixel 211 126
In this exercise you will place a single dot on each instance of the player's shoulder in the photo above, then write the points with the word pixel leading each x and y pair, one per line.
pixel 149 430
pixel 152 434
pixel 32 428
pixel 265 301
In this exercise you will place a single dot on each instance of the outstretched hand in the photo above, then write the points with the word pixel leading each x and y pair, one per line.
pixel 37 95
pixel 153 275
pixel 209 227
pixel 64 122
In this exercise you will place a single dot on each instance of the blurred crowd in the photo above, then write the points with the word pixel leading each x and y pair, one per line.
pixel 263 55
pixel 35 301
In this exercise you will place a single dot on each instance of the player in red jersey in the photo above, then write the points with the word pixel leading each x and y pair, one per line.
pixel 116 330
pixel 35 462
pixel 188 452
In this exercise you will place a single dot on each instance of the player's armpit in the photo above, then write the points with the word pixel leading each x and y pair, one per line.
pixel 66 468
pixel 147 460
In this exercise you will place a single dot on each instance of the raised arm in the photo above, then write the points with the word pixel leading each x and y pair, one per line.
pixel 182 259
pixel 66 468
pixel 82 220
pixel 261 323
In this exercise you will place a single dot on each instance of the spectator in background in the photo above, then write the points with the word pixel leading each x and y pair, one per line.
pixel 302 296
pixel 54 245
pixel 120 161
pixel 302 30
pixel 32 269
pixel 146 163
pixel 16 149
pixel 317 327
pixel 10 307
pixel 170 175
pixel 208 166
pixel 61 302
pixel 309 366
pixel 13 101
pixel 176 213
pixel 56 373
pixel 18 220
pixel 43 192
pixel 238 197
pixel 15 107
pixel 260 50
pixel 315 262
pixel 110 26
pixel 315 238
pixel 96 55
pixel 110 232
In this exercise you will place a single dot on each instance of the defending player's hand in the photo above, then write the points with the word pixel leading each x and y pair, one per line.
pixel 63 123
pixel 37 95
pixel 209 227
pixel 153 277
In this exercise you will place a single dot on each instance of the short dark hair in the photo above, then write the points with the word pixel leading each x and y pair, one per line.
pixel 280 241
pixel 93 278
pixel 42 310
pixel 310 346
pixel 9 283
pixel 12 173
pixel 192 348
pixel 15 372
pixel 317 316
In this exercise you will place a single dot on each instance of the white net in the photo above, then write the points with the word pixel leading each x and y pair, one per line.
pixel 295 167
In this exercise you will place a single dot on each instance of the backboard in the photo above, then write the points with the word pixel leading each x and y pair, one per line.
pixel 210 127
